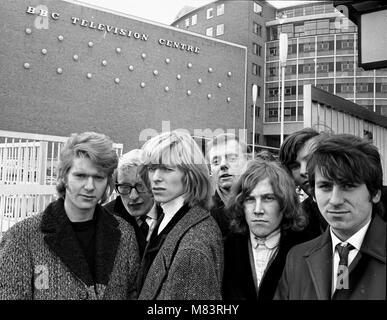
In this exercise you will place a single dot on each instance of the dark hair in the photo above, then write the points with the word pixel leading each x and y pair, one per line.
pixel 95 146
pixel 345 158
pixel 293 143
pixel 283 188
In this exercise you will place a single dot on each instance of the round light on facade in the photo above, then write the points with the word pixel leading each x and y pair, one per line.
pixel 75 57
pixel 26 65
pixel 200 81
pixel 167 60
pixel 189 92
pixel 44 51
pixel 104 62
pixel 229 74
pixel 142 85
pixel 60 38
pixel 155 72
pixel 118 50
pixel 189 65
pixel 131 68
pixel 210 70
pixel 89 75
pixel 219 85
pixel 117 80
pixel 90 44
pixel 143 55
pixel 209 96
pixel 59 70
pixel 228 99
pixel 166 89
pixel 28 31
pixel 178 77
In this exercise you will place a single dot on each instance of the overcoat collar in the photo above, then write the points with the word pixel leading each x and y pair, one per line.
pixel 156 277
pixel 319 257
pixel 62 240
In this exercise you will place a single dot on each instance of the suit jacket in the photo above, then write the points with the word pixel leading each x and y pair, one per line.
pixel 308 271
pixel 238 281
pixel 117 207
pixel 189 263
pixel 221 215
pixel 41 259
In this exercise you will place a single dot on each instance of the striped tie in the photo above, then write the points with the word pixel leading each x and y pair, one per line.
pixel 343 265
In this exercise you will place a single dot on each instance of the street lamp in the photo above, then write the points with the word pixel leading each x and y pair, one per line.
pixel 283 54
pixel 254 95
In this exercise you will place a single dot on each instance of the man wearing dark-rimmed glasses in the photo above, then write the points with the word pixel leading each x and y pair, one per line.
pixel 135 202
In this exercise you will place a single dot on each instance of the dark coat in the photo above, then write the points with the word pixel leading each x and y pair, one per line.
pixel 117 207
pixel 189 263
pixel 221 215
pixel 308 271
pixel 316 222
pixel 41 259
pixel 238 281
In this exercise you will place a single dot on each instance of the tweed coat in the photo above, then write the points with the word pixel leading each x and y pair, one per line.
pixel 189 263
pixel 41 259
pixel 308 270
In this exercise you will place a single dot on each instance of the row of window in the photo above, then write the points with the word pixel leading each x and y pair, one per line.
pixel 219 30
pixel 311 47
pixel 340 88
pixel 191 21
pixel 344 66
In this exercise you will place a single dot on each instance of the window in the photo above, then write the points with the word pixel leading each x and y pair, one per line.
pixel 288 91
pixel 256 70
pixel 323 46
pixel 257 49
pixel 347 66
pixel 308 68
pixel 347 88
pixel 272 51
pixel 257 8
pixel 273 92
pixel 257 29
pixel 383 88
pixel 362 87
pixel 273 113
pixel 187 22
pixel 347 44
pixel 287 112
pixel 324 87
pixel 194 19
pixel 210 32
pixel 322 67
pixel 220 29
pixel 308 47
pixel 220 9
pixel 210 13
pixel 272 71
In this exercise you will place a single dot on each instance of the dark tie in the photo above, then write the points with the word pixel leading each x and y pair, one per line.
pixel 144 226
pixel 343 265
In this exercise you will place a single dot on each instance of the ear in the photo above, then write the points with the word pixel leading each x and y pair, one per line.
pixel 376 197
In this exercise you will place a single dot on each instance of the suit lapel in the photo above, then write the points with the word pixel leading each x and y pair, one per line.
pixel 319 262
pixel 61 239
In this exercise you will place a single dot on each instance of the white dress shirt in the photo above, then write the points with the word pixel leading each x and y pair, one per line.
pixel 263 251
pixel 355 240
pixel 170 209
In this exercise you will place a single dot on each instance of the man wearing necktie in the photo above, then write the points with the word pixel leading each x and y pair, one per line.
pixel 265 225
pixel 135 202
pixel 348 261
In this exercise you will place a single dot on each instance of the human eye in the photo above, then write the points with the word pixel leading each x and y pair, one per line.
pixel 349 186
pixel 141 188
pixel 215 161
pixel 269 197
pixel 99 177
pixel 80 175
pixel 294 166
pixel 232 157
pixel 324 186
pixel 249 200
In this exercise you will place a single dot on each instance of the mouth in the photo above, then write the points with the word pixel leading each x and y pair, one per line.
pixel 88 197
pixel 260 221
pixel 337 212
pixel 225 176
pixel 158 189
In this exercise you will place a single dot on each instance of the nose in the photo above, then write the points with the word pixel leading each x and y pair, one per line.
pixel 336 197
pixel 258 210
pixel 156 175
pixel 90 184
pixel 224 163
pixel 133 194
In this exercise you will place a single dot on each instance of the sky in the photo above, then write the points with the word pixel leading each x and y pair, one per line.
pixel 162 11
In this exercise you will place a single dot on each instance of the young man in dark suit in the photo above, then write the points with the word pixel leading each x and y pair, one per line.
pixel 348 261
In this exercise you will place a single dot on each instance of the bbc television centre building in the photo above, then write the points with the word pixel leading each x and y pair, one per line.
pixel 69 67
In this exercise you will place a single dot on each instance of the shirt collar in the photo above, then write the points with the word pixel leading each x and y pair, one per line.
pixel 152 214
pixel 171 207
pixel 356 240
pixel 271 241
